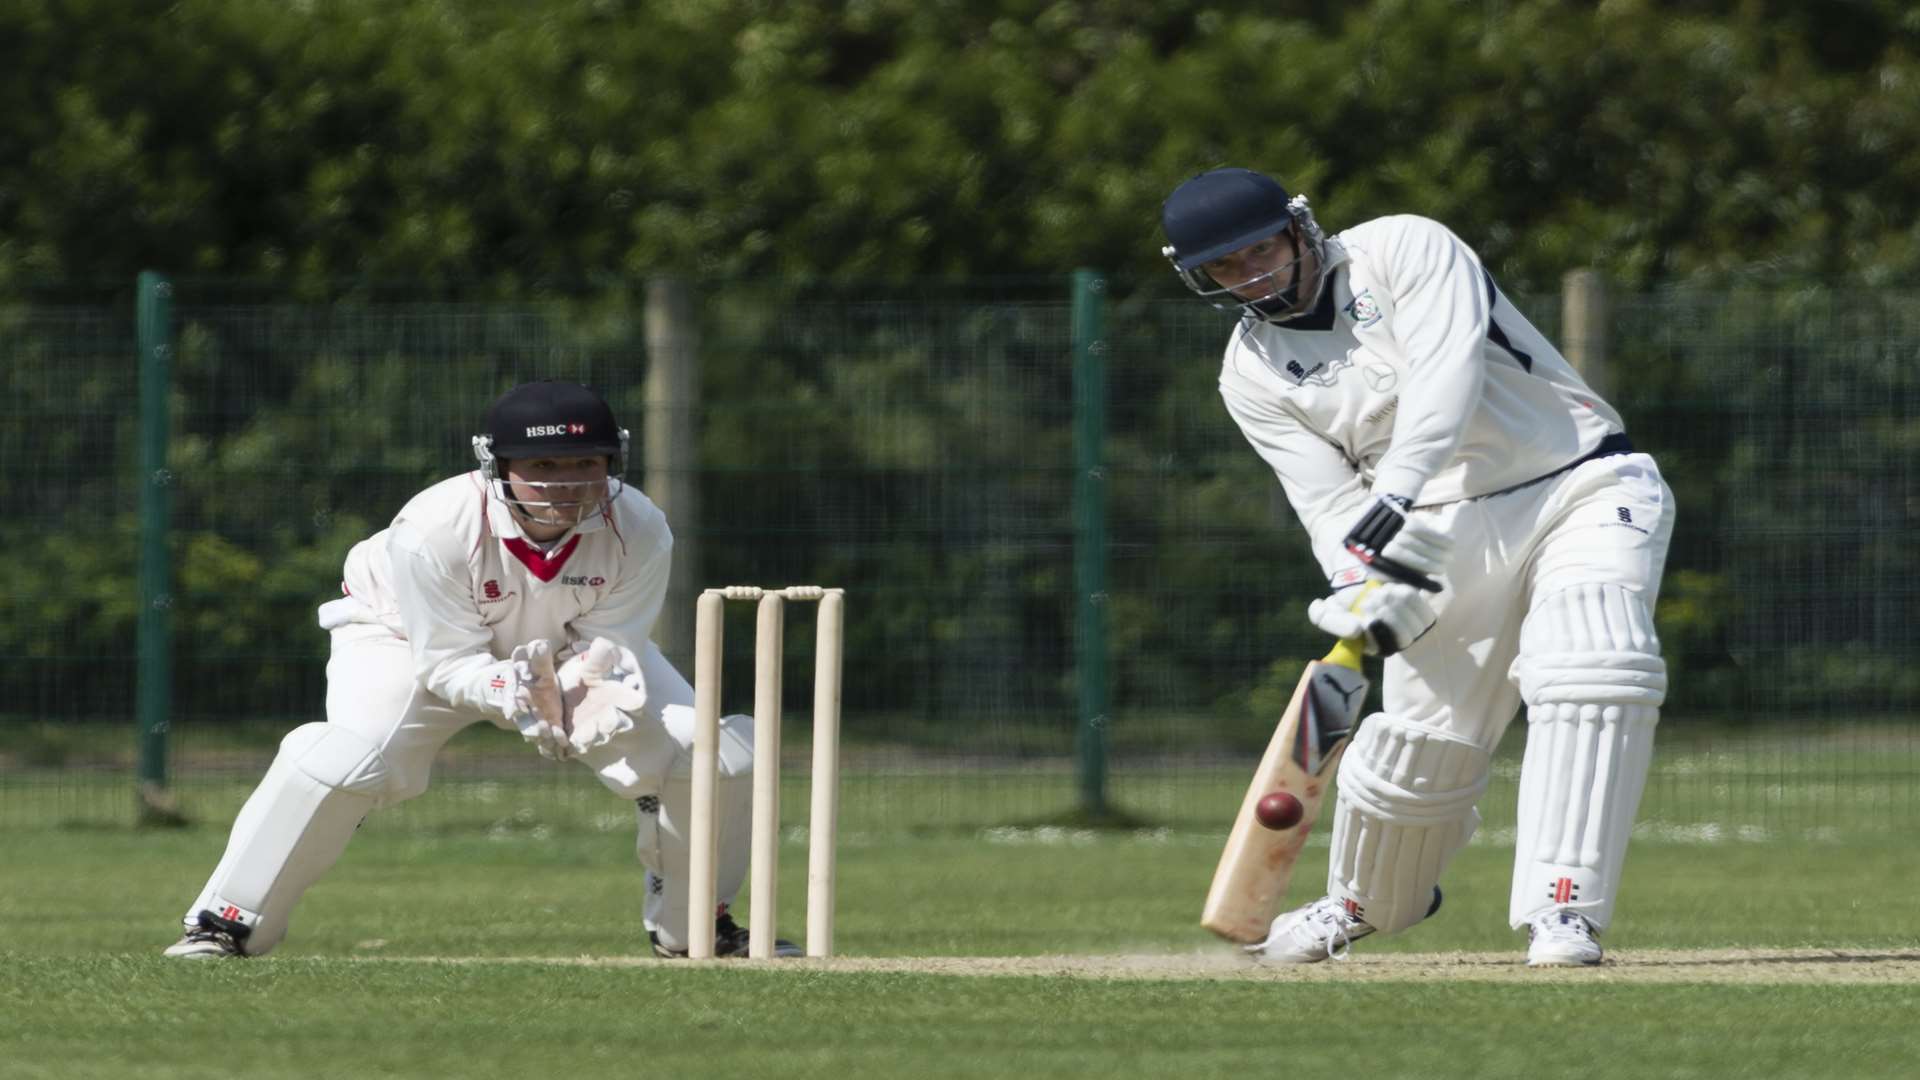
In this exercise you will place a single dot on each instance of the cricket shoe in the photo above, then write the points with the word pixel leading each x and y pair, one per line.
pixel 1561 938
pixel 1323 930
pixel 204 941
pixel 730 939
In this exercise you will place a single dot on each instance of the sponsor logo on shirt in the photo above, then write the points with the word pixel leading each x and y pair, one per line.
pixel 593 582
pixel 1363 309
pixel 1382 412
pixel 1322 373
pixel 1623 519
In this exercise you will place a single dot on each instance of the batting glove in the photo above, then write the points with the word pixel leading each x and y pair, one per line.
pixel 1397 546
pixel 1386 618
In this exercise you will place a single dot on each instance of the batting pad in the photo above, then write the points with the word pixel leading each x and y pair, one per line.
pixel 1406 804
pixel 1591 674
pixel 293 827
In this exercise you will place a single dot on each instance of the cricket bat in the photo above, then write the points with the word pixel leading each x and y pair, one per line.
pixel 1257 863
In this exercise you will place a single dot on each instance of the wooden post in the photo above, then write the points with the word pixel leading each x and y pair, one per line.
pixel 1583 327
pixel 672 448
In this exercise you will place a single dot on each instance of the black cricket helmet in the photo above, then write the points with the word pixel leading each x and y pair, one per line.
pixel 548 419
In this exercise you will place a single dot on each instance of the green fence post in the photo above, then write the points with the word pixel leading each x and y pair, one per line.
pixel 154 687
pixel 1090 537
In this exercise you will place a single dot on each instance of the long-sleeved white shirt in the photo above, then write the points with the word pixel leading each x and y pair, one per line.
pixel 1414 376
pixel 457 579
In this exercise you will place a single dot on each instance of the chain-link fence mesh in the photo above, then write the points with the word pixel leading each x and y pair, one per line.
pixel 915 446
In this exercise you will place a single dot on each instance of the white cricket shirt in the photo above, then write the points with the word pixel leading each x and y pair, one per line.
pixel 1413 376
pixel 454 575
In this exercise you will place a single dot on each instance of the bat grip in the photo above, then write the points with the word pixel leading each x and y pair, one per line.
pixel 1347 652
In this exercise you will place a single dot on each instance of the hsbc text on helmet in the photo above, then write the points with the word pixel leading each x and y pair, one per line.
pixel 556 429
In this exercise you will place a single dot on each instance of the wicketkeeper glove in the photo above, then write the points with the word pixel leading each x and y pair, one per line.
pixel 533 700
pixel 602 688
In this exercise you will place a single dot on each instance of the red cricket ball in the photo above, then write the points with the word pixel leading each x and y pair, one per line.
pixel 1279 810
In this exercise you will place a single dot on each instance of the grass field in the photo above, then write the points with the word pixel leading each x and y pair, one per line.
pixel 491 929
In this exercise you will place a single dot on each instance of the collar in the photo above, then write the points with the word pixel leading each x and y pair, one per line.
pixel 544 565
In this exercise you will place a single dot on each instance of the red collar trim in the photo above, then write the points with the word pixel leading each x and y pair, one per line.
pixel 538 563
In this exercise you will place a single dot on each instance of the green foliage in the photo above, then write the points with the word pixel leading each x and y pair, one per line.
pixel 913 438
pixel 540 146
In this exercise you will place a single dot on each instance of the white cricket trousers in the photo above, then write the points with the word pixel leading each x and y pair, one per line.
pixel 377 747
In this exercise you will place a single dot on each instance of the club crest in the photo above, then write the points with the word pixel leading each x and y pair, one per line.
pixel 1363 309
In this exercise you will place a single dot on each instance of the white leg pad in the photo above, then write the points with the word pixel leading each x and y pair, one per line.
pixel 293 827
pixel 1580 788
pixel 1406 805
pixel 1591 674
pixel 661 842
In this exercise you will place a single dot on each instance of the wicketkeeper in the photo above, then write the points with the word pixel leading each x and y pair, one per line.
pixel 520 594
pixel 1436 444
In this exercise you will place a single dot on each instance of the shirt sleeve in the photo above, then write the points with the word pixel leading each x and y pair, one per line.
pixel 1441 317
pixel 1323 486
pixel 627 613
pixel 452 649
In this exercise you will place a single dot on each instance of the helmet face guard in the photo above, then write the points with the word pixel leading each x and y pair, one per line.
pixel 1218 213
pixel 559 502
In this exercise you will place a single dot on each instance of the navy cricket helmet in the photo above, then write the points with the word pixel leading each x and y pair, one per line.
pixel 549 419
pixel 1221 211
pixel 552 419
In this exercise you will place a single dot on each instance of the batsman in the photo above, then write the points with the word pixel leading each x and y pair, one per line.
pixel 522 594
pixel 1440 449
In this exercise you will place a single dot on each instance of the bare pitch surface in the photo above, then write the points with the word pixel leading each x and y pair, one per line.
pixel 1730 966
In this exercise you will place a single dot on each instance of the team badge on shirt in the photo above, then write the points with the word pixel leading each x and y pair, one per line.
pixel 1363 309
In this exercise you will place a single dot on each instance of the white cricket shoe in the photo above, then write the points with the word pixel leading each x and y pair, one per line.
pixel 1323 930
pixel 1560 938
pixel 201 941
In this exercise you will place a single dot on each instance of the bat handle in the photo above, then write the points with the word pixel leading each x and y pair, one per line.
pixel 1347 652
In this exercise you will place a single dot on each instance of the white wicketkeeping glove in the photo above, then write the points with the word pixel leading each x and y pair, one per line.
pixel 602 688
pixel 534 702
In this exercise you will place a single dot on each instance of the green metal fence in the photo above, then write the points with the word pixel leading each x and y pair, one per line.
pixel 1071 585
